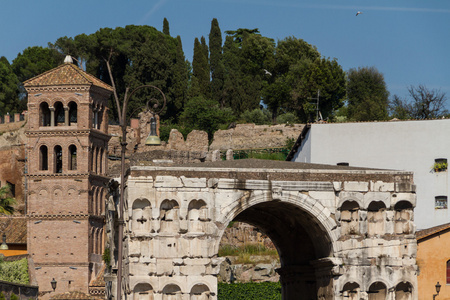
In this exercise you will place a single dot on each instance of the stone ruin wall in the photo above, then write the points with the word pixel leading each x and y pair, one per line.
pixel 251 136
pixel 12 159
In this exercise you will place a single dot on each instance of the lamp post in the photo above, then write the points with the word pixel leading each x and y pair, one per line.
pixel 123 143
pixel 53 283
pixel 438 289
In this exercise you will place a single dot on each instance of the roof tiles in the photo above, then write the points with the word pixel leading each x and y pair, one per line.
pixel 66 74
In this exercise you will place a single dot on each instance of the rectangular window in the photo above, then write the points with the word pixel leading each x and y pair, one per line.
pixel 440 202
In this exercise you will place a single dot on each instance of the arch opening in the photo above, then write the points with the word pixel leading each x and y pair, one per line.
pixel 303 246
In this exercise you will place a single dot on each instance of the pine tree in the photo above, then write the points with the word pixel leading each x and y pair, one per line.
pixel 166 27
pixel 216 64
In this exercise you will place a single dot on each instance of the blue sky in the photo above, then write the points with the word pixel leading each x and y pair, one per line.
pixel 407 40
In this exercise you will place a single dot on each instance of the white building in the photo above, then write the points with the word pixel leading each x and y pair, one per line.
pixel 402 145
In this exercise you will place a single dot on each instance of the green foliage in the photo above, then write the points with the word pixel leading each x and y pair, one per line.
pixel 216 63
pixel 367 95
pixel 287 118
pixel 6 201
pixel 2 296
pixel 269 156
pixel 250 249
pixel 166 27
pixel 9 88
pixel 14 297
pixel 257 116
pixel 34 61
pixel 205 114
pixel 166 127
pixel 14 271
pixel 263 290
pixel 200 70
pixel 106 257
pixel 440 166
pixel 290 143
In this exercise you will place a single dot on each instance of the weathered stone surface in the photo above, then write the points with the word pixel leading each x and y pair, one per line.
pixel 176 140
pixel 334 227
pixel 197 140
pixel 251 136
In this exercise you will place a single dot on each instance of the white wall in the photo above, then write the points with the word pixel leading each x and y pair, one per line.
pixel 402 145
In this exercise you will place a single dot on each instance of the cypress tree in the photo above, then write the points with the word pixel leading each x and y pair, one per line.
pixel 200 82
pixel 216 64
pixel 166 27
pixel 180 77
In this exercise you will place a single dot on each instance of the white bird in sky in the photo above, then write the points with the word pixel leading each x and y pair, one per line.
pixel 358 13
pixel 267 72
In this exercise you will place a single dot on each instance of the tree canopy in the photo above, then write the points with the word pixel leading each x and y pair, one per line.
pixel 367 95
pixel 240 72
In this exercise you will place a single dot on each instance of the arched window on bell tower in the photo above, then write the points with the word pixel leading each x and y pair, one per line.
pixel 44 114
pixel 43 158
pixel 72 157
pixel 73 113
pixel 57 156
pixel 59 114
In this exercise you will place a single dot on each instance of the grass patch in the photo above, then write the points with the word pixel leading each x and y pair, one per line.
pixel 251 290
pixel 245 254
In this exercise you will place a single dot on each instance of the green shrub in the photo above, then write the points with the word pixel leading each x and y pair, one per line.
pixel 287 118
pixel 2 296
pixel 257 116
pixel 252 290
pixel 14 297
pixel 14 271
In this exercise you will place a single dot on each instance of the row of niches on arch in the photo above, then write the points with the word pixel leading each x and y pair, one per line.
pixel 378 290
pixel 169 217
pixel 377 219
pixel 171 291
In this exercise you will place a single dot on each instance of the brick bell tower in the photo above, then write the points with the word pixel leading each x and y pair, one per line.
pixel 66 182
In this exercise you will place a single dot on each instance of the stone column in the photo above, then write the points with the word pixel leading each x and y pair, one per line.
pixel 66 116
pixel 52 116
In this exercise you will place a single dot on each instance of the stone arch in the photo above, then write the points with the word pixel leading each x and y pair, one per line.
pixel 197 215
pixel 376 218
pixel 377 291
pixel 200 291
pixel 141 216
pixel 303 232
pixel 403 217
pixel 349 217
pixel 143 291
pixel 169 216
pixel 172 292
pixel 404 291
pixel 351 290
